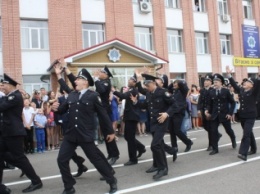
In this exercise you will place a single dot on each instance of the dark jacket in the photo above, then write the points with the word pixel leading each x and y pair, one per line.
pixel 204 99
pixel 81 126
pixel 248 99
pixel 12 108
pixel 38 103
pixel 221 105
pixel 180 101
pixel 158 102
pixel 103 87
pixel 131 112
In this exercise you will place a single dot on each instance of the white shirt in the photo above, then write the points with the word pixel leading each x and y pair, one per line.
pixel 2 94
pixel 28 113
pixel 45 98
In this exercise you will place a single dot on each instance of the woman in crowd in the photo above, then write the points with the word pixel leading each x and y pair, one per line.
pixel 235 96
pixel 55 128
pixel 114 115
pixel 142 117
pixel 121 108
pixel 194 97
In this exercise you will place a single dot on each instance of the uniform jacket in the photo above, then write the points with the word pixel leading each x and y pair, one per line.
pixel 11 107
pixel 82 116
pixel 204 99
pixel 131 112
pixel 221 105
pixel 158 102
pixel 248 99
pixel 180 102
pixel 103 87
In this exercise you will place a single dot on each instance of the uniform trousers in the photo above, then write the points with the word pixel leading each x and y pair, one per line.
pixel 248 139
pixel 14 146
pixel 157 147
pixel 206 125
pixel 95 156
pixel 215 134
pixel 28 140
pixel 132 143
pixel 175 130
pixel 112 148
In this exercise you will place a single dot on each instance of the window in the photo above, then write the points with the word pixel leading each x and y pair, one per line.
pixel 225 45
pixel 92 34
pixel 222 7
pixel 199 5
pixel 34 35
pixel 34 82
pixel 136 1
pixel 248 11
pixel 172 3
pixel 143 38
pixel 202 43
pixel 174 38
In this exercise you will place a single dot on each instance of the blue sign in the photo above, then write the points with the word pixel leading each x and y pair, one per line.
pixel 251 41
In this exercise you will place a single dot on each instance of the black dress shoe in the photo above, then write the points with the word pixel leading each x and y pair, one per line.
pixel 210 148
pixel 113 186
pixel 251 152
pixel 80 171
pixel 152 169
pixel 69 191
pixel 174 158
pixel 5 190
pixel 160 174
pixel 213 152
pixel 22 174
pixel 129 163
pixel 33 187
pixel 242 157
pixel 113 160
pixel 188 147
pixel 234 143
pixel 140 153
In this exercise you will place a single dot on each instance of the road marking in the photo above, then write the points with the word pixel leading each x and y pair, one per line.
pixel 118 165
pixel 187 176
pixel 179 141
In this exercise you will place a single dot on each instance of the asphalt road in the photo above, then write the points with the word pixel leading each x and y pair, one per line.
pixel 193 172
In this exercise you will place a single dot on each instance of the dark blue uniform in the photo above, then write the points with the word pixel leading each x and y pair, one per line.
pixel 203 102
pixel 158 102
pixel 80 132
pixel 131 118
pixel 221 104
pixel 103 87
pixel 12 135
pixel 247 115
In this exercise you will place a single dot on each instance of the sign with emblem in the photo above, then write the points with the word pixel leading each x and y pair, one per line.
pixel 251 41
pixel 114 55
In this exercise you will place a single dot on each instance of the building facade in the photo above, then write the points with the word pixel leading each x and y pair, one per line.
pixel 194 37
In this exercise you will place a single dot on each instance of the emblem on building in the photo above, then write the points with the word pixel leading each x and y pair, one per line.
pixel 251 42
pixel 114 55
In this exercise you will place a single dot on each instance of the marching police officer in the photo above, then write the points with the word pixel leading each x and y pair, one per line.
pixel 131 118
pixel 82 105
pixel 12 133
pixel 179 89
pixel 161 82
pixel 247 113
pixel 103 87
pixel 76 158
pixel 203 102
pixel 158 102
pixel 219 110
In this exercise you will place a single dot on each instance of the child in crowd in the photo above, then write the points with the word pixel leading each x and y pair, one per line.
pixel 40 123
